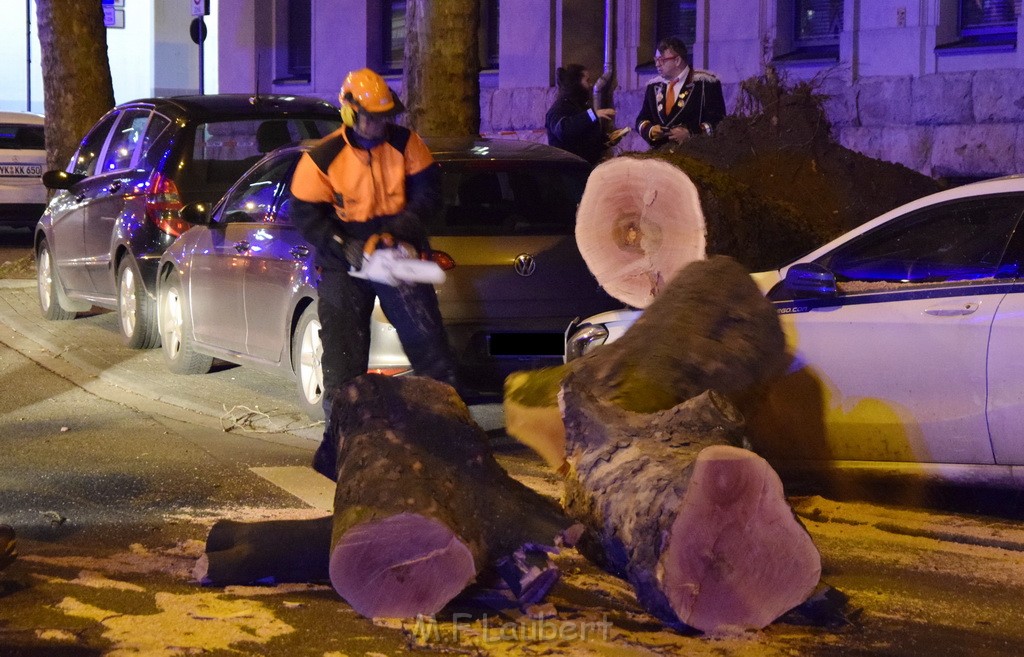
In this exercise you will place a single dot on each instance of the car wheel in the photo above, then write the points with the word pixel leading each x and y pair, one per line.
pixel 306 353
pixel 46 278
pixel 136 312
pixel 179 350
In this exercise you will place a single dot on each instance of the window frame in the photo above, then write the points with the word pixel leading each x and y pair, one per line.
pixel 289 13
pixel 932 214
pixel 382 55
pixel 984 33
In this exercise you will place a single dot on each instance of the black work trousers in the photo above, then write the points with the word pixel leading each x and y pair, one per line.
pixel 345 307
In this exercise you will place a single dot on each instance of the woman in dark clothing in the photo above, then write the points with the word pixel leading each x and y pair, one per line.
pixel 572 123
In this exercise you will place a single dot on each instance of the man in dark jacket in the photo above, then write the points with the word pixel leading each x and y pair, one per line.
pixel 572 124
pixel 372 182
pixel 680 102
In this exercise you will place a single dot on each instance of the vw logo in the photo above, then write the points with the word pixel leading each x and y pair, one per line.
pixel 525 264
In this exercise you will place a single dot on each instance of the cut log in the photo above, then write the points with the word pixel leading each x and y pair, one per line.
pixel 700 529
pixel 698 526
pixel 267 552
pixel 421 506
pixel 639 222
pixel 711 328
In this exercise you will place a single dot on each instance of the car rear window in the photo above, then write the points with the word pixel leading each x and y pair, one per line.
pixel 222 151
pixel 495 197
pixel 21 137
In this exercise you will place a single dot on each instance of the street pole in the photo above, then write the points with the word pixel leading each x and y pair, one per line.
pixel 28 55
pixel 202 38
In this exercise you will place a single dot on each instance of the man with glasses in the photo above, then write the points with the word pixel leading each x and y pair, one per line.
pixel 680 102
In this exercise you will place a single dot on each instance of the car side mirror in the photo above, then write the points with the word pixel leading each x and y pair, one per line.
pixel 197 214
pixel 61 179
pixel 811 279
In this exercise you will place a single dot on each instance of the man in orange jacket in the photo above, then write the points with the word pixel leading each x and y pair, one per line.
pixel 368 180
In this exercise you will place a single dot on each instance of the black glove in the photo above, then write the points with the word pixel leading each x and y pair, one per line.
pixel 407 227
pixel 351 250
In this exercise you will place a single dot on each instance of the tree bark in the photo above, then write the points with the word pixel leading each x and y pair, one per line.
pixel 77 86
pixel 421 506
pixel 710 329
pixel 441 77
pixel 701 529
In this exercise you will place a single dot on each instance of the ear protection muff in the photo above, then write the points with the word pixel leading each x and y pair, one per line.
pixel 348 110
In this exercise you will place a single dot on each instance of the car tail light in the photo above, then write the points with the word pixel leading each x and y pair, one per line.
pixel 443 260
pixel 163 204
pixel 390 371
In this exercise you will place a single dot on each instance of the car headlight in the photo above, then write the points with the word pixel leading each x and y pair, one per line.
pixel 585 339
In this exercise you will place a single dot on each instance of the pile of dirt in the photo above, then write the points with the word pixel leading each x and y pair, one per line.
pixel 24 267
pixel 775 184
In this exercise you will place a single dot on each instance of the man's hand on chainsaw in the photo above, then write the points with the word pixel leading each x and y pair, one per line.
pixel 349 249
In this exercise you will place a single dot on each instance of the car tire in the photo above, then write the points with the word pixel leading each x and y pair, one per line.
pixel 307 351
pixel 46 279
pixel 176 341
pixel 136 312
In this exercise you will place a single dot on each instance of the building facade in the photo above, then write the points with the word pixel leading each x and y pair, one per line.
pixel 937 85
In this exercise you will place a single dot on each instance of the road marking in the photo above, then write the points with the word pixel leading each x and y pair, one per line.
pixel 303 482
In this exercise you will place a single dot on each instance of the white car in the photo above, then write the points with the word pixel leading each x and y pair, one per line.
pixel 22 160
pixel 907 337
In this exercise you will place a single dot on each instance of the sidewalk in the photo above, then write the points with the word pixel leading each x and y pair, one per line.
pixel 88 351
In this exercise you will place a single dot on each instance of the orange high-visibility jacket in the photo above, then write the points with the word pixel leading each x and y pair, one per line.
pixel 361 184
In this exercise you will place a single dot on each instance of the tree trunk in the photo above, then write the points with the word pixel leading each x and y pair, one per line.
pixel 710 329
pixel 441 78
pixel 421 506
pixel 77 86
pixel 700 529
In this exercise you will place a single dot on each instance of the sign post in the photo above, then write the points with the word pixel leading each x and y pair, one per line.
pixel 197 30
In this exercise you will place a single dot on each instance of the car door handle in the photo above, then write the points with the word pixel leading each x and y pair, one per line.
pixel 242 247
pixel 114 187
pixel 299 251
pixel 953 311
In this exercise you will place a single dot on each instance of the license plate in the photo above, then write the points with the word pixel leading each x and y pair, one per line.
pixel 9 170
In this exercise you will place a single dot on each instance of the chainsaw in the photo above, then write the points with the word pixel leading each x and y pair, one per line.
pixel 395 263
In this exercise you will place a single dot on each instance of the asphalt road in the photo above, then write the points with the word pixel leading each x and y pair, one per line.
pixel 113 470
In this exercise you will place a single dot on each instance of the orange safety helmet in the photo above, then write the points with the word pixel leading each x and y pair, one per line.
pixel 365 90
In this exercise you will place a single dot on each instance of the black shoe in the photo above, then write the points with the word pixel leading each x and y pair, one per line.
pixel 325 461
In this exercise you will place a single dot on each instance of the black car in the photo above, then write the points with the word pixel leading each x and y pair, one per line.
pixel 117 209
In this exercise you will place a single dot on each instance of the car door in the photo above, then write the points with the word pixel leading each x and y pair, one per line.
pixel 219 262
pixel 893 367
pixel 71 207
pixel 1005 355
pixel 277 258
pixel 114 179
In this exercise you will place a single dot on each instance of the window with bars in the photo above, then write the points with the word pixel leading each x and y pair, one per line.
pixel 676 18
pixel 393 29
pixel 989 18
pixel 817 23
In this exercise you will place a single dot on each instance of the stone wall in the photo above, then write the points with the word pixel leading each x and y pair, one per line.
pixel 963 125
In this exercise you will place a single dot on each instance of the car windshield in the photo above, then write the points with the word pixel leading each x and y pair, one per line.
pixel 516 197
pixel 21 137
pixel 222 151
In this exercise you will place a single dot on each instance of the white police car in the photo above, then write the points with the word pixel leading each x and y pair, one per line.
pixel 907 337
